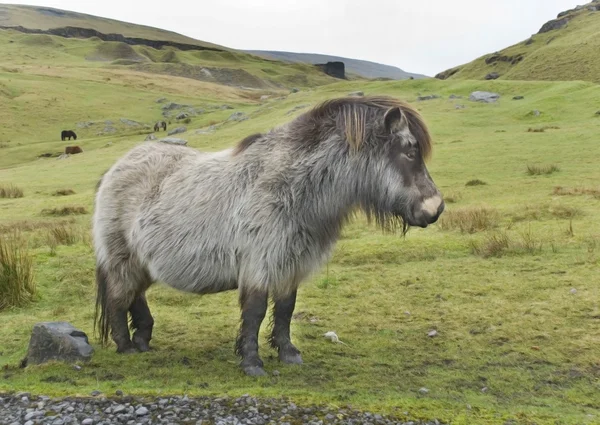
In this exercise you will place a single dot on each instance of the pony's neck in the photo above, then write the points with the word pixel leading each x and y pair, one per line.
pixel 328 190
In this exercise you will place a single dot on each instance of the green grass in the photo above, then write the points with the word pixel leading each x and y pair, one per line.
pixel 497 290
pixel 565 54
pixel 17 285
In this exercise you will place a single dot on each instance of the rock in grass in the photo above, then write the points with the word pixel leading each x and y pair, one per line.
pixel 484 96
pixel 518 98
pixel 58 341
pixel 177 130
pixel 174 141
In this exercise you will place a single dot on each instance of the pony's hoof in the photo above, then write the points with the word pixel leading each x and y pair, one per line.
pixel 254 371
pixel 129 350
pixel 291 358
pixel 142 345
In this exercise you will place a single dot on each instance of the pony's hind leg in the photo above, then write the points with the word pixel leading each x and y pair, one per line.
pixel 141 322
pixel 280 336
pixel 119 286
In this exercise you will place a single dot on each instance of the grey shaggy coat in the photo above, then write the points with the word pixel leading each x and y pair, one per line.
pixel 261 216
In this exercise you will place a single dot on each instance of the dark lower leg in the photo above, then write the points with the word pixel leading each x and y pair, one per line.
pixel 120 330
pixel 280 336
pixel 142 322
pixel 254 308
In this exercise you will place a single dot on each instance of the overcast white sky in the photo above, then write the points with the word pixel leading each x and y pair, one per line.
pixel 423 36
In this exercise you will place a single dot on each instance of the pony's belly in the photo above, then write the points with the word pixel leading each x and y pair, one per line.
pixel 202 279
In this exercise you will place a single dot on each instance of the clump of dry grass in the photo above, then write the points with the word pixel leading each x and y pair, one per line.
pixel 17 285
pixel 63 235
pixel 539 170
pixel 452 197
pixel 564 211
pixel 31 225
pixel 63 192
pixel 10 191
pixel 494 245
pixel 470 220
pixel 67 210
pixel 576 191
pixel 475 182
pixel 542 129
pixel 498 244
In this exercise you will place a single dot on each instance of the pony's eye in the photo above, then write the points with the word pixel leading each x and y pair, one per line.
pixel 411 154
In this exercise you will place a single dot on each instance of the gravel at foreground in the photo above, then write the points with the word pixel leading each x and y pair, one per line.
pixel 24 409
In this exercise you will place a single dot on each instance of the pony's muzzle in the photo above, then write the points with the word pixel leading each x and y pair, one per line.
pixel 429 212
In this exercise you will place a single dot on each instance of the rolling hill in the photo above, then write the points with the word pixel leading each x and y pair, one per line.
pixel 47 18
pixel 563 49
pixel 363 68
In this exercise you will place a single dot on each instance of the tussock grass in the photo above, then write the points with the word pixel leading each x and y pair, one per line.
pixel 542 129
pixel 64 235
pixel 576 191
pixel 545 211
pixel 63 192
pixel 565 211
pixel 539 170
pixel 452 197
pixel 67 210
pixel 494 245
pixel 470 220
pixel 475 182
pixel 498 244
pixel 11 191
pixel 17 285
pixel 31 225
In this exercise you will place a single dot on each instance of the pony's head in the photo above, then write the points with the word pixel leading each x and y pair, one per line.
pixel 408 190
pixel 388 144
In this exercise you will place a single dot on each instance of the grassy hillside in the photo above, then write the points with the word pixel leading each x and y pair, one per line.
pixel 363 68
pixel 517 321
pixel 567 53
pixel 45 18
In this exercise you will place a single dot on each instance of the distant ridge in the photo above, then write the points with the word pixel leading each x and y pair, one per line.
pixel 359 67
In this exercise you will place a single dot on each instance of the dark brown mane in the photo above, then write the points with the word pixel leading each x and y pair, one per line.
pixel 246 143
pixel 351 116
pixel 353 113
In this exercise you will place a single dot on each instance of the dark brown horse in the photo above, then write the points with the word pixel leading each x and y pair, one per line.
pixel 67 134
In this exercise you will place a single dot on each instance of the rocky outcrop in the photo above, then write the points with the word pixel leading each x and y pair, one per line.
pixel 77 32
pixel 333 69
pixel 497 57
pixel 492 76
pixel 553 25
pixel 447 73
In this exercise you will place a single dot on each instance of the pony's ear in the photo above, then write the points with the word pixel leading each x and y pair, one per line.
pixel 395 121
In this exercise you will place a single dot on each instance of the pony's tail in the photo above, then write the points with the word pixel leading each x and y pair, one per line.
pixel 100 316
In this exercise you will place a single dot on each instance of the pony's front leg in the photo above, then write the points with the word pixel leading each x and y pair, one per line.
pixel 280 337
pixel 254 308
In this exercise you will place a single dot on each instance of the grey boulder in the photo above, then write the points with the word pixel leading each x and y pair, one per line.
pixel 58 341
pixel 177 130
pixel 484 96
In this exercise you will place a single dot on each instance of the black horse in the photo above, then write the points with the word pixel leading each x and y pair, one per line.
pixel 67 134
pixel 159 125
